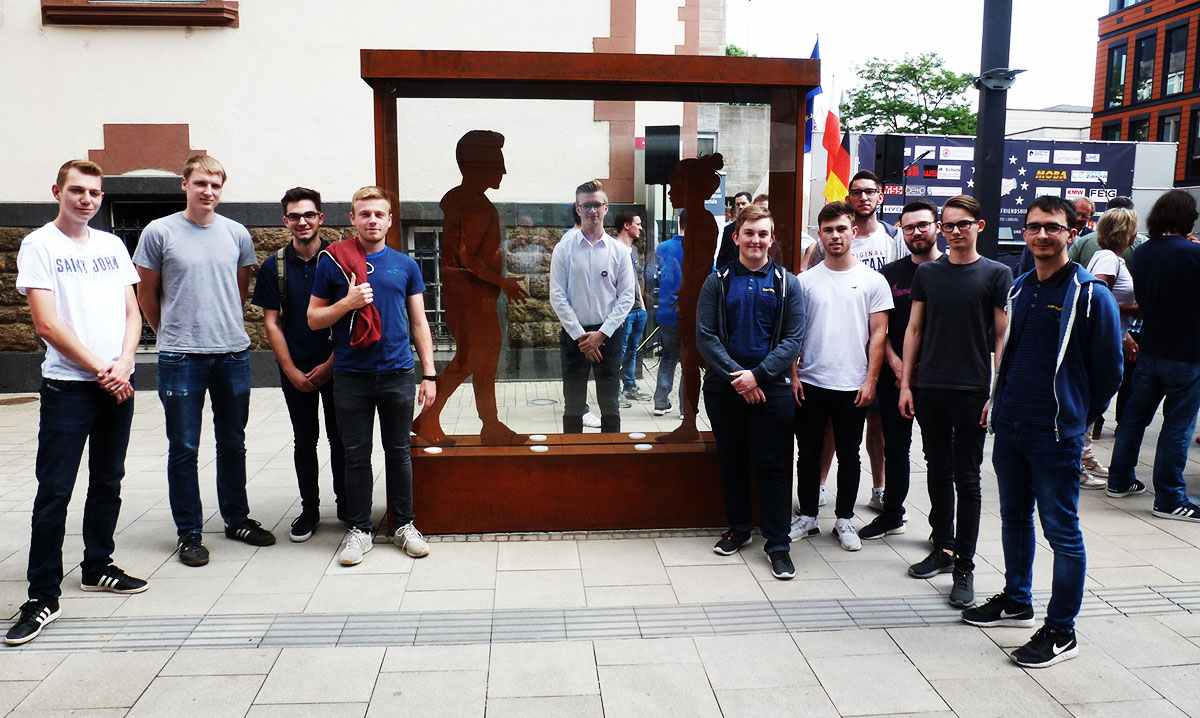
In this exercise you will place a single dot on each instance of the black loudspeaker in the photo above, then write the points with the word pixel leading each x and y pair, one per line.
pixel 662 153
pixel 889 158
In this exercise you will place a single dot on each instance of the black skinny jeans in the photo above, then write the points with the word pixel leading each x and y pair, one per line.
pixel 304 410
pixel 819 407
pixel 897 438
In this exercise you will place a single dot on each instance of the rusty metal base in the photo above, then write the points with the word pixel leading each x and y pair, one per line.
pixel 582 482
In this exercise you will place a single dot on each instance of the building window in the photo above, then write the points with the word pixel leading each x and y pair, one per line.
pixel 1111 132
pixel 425 247
pixel 1168 128
pixel 1115 95
pixel 1143 69
pixel 177 13
pixel 706 143
pixel 1139 130
pixel 1122 4
pixel 1193 163
pixel 1175 60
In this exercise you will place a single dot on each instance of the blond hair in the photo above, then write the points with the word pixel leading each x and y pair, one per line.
pixel 1116 229
pixel 208 163
pixel 368 193
pixel 86 167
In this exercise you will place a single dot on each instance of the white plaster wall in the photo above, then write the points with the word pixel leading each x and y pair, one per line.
pixel 279 100
pixel 659 31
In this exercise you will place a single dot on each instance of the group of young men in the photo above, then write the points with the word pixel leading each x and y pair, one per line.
pixel 948 339
pixel 347 313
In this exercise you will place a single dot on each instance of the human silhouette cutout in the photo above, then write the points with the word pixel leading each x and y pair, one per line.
pixel 693 181
pixel 472 280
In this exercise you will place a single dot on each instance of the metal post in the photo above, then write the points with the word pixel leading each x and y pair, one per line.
pixel 993 103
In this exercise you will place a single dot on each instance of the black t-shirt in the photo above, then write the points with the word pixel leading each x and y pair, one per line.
pixel 899 275
pixel 1165 272
pixel 958 335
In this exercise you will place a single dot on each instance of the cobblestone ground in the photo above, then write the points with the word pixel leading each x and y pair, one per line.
pixel 577 624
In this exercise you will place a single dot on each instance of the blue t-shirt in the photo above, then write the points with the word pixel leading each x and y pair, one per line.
pixel 750 308
pixel 394 277
pixel 1028 394
pixel 670 275
pixel 307 347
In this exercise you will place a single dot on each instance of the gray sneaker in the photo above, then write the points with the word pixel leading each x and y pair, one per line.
pixel 876 501
pixel 354 546
pixel 410 539
pixel 846 534
pixel 804 527
pixel 963 593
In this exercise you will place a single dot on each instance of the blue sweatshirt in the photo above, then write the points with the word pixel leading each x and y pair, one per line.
pixel 1088 360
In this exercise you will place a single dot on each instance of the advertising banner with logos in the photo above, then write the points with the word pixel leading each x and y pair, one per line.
pixel 1066 168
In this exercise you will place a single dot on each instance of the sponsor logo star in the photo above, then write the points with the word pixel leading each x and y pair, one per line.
pixel 1021 171
pixel 1012 160
pixel 1020 200
pixel 1024 185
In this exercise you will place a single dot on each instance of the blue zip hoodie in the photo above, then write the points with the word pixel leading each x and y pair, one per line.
pixel 1088 363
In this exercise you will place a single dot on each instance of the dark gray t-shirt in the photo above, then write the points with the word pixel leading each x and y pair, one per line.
pixel 958 335
pixel 201 301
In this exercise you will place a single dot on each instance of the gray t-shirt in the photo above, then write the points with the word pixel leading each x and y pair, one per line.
pixel 201 302
pixel 958 336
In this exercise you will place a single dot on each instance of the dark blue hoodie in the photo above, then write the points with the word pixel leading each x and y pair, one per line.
pixel 1088 362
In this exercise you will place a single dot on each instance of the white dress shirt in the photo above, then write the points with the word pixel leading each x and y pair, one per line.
pixel 591 283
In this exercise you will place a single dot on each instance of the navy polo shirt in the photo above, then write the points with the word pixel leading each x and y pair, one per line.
pixel 308 348
pixel 1028 395
pixel 750 308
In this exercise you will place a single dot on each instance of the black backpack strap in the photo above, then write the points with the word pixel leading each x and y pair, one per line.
pixel 281 276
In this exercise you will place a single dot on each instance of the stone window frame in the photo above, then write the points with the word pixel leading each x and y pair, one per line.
pixel 157 13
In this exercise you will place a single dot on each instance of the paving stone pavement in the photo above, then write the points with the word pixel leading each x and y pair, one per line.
pixel 631 623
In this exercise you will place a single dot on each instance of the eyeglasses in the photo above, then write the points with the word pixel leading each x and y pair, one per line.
pixel 962 225
pixel 1051 228
pixel 921 227
pixel 296 217
pixel 593 206
pixel 862 192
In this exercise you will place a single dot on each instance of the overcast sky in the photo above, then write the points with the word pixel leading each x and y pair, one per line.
pixel 1054 40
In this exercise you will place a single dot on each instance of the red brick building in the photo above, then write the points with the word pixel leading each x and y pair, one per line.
pixel 1148 78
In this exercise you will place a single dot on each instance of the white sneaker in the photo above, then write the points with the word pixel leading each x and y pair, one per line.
pixel 876 501
pixel 1093 467
pixel 354 546
pixel 821 500
pixel 410 539
pixel 591 420
pixel 804 527
pixel 846 534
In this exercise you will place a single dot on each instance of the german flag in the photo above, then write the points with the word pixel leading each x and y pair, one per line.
pixel 837 163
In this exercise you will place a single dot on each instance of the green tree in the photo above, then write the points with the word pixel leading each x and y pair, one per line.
pixel 735 51
pixel 917 95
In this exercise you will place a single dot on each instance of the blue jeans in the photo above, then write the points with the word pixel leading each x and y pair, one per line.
pixel 1033 467
pixel 635 323
pixel 183 380
pixel 1177 385
pixel 358 397
pixel 666 366
pixel 72 413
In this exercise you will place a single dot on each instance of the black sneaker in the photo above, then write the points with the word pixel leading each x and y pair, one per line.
pixel 1047 647
pixel 1135 487
pixel 879 527
pixel 938 561
pixel 251 532
pixel 781 565
pixel 191 549
pixel 303 527
pixel 731 541
pixel 1000 610
pixel 112 579
pixel 36 612
pixel 1185 512
pixel 962 595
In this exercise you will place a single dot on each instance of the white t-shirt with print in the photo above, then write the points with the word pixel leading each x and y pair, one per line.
pixel 876 250
pixel 837 307
pixel 88 281
pixel 1106 261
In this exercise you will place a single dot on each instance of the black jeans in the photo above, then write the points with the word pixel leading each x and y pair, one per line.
pixel 897 439
pixel 304 409
pixel 953 441
pixel 576 368
pixel 821 406
pixel 357 399
pixel 754 436
pixel 74 413
pixel 1126 381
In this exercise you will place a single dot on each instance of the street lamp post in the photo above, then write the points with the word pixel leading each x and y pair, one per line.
pixel 993 82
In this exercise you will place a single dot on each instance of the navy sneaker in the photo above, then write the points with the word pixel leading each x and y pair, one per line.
pixel 1187 511
pixel 1135 487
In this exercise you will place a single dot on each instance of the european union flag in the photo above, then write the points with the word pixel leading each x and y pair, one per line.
pixel 808 101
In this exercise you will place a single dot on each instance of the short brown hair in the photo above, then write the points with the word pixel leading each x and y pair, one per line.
pixel 764 197
pixel 753 213
pixel 86 167
pixel 589 187
pixel 967 203
pixel 208 163
pixel 370 192
pixel 833 210
pixel 1116 229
